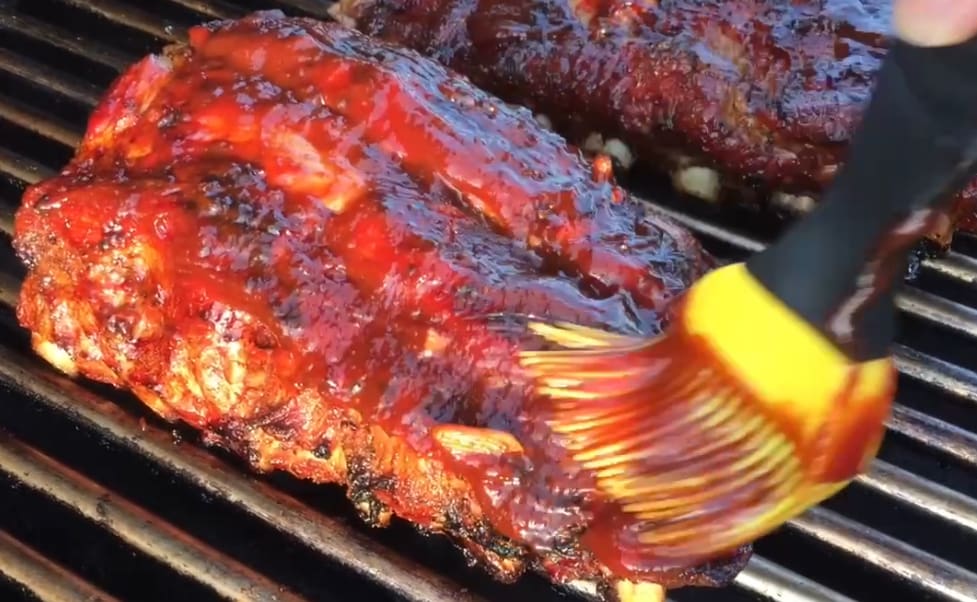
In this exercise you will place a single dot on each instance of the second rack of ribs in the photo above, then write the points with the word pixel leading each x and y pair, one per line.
pixel 742 100
pixel 321 251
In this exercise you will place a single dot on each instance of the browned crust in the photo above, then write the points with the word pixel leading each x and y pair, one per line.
pixel 106 298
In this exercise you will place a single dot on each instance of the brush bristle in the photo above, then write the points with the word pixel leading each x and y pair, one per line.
pixel 670 437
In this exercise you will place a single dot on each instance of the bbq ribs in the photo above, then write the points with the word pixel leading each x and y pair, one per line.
pixel 321 251
pixel 754 97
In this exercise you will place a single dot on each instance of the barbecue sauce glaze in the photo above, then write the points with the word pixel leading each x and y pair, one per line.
pixel 766 92
pixel 322 251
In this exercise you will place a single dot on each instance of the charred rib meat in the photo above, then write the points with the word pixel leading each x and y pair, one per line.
pixel 320 250
pixel 758 97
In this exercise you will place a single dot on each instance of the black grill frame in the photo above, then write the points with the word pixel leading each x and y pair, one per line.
pixel 943 307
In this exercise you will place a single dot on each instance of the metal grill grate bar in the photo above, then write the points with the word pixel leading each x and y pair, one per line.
pixel 48 34
pixel 951 315
pixel 955 266
pixel 214 9
pixel 943 376
pixel 936 434
pixel 129 16
pixel 43 578
pixel 773 582
pixel 36 73
pixel 18 167
pixel 146 533
pixel 38 123
pixel 919 569
pixel 922 494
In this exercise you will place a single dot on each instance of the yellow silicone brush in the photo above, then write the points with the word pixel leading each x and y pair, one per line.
pixel 769 391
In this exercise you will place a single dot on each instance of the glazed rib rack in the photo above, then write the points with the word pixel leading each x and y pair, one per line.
pixel 103 502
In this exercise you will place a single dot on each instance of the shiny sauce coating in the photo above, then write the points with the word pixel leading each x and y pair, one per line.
pixel 286 228
pixel 766 92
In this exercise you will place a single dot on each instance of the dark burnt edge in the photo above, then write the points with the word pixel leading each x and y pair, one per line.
pixel 176 434
pixel 490 550
pixel 483 548
pixel 360 490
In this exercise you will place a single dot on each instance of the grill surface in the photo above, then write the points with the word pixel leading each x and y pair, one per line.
pixel 104 502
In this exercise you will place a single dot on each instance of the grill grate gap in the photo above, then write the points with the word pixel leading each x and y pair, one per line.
pixel 33 146
pixel 209 519
pixel 921 460
pixel 926 399
pixel 34 82
pixel 82 16
pixel 15 592
pixel 844 573
pixel 966 244
pixel 9 264
pixel 91 552
pixel 46 53
pixel 764 224
pixel 934 340
pixel 10 188
pixel 911 526
pixel 695 595
pixel 951 288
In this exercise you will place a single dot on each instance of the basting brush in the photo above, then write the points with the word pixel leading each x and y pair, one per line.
pixel 770 388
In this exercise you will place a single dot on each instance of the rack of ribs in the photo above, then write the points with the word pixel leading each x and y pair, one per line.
pixel 753 100
pixel 321 251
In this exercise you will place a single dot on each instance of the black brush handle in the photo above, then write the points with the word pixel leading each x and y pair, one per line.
pixel 915 148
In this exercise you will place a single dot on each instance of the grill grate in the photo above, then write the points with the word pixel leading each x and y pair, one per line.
pixel 903 531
